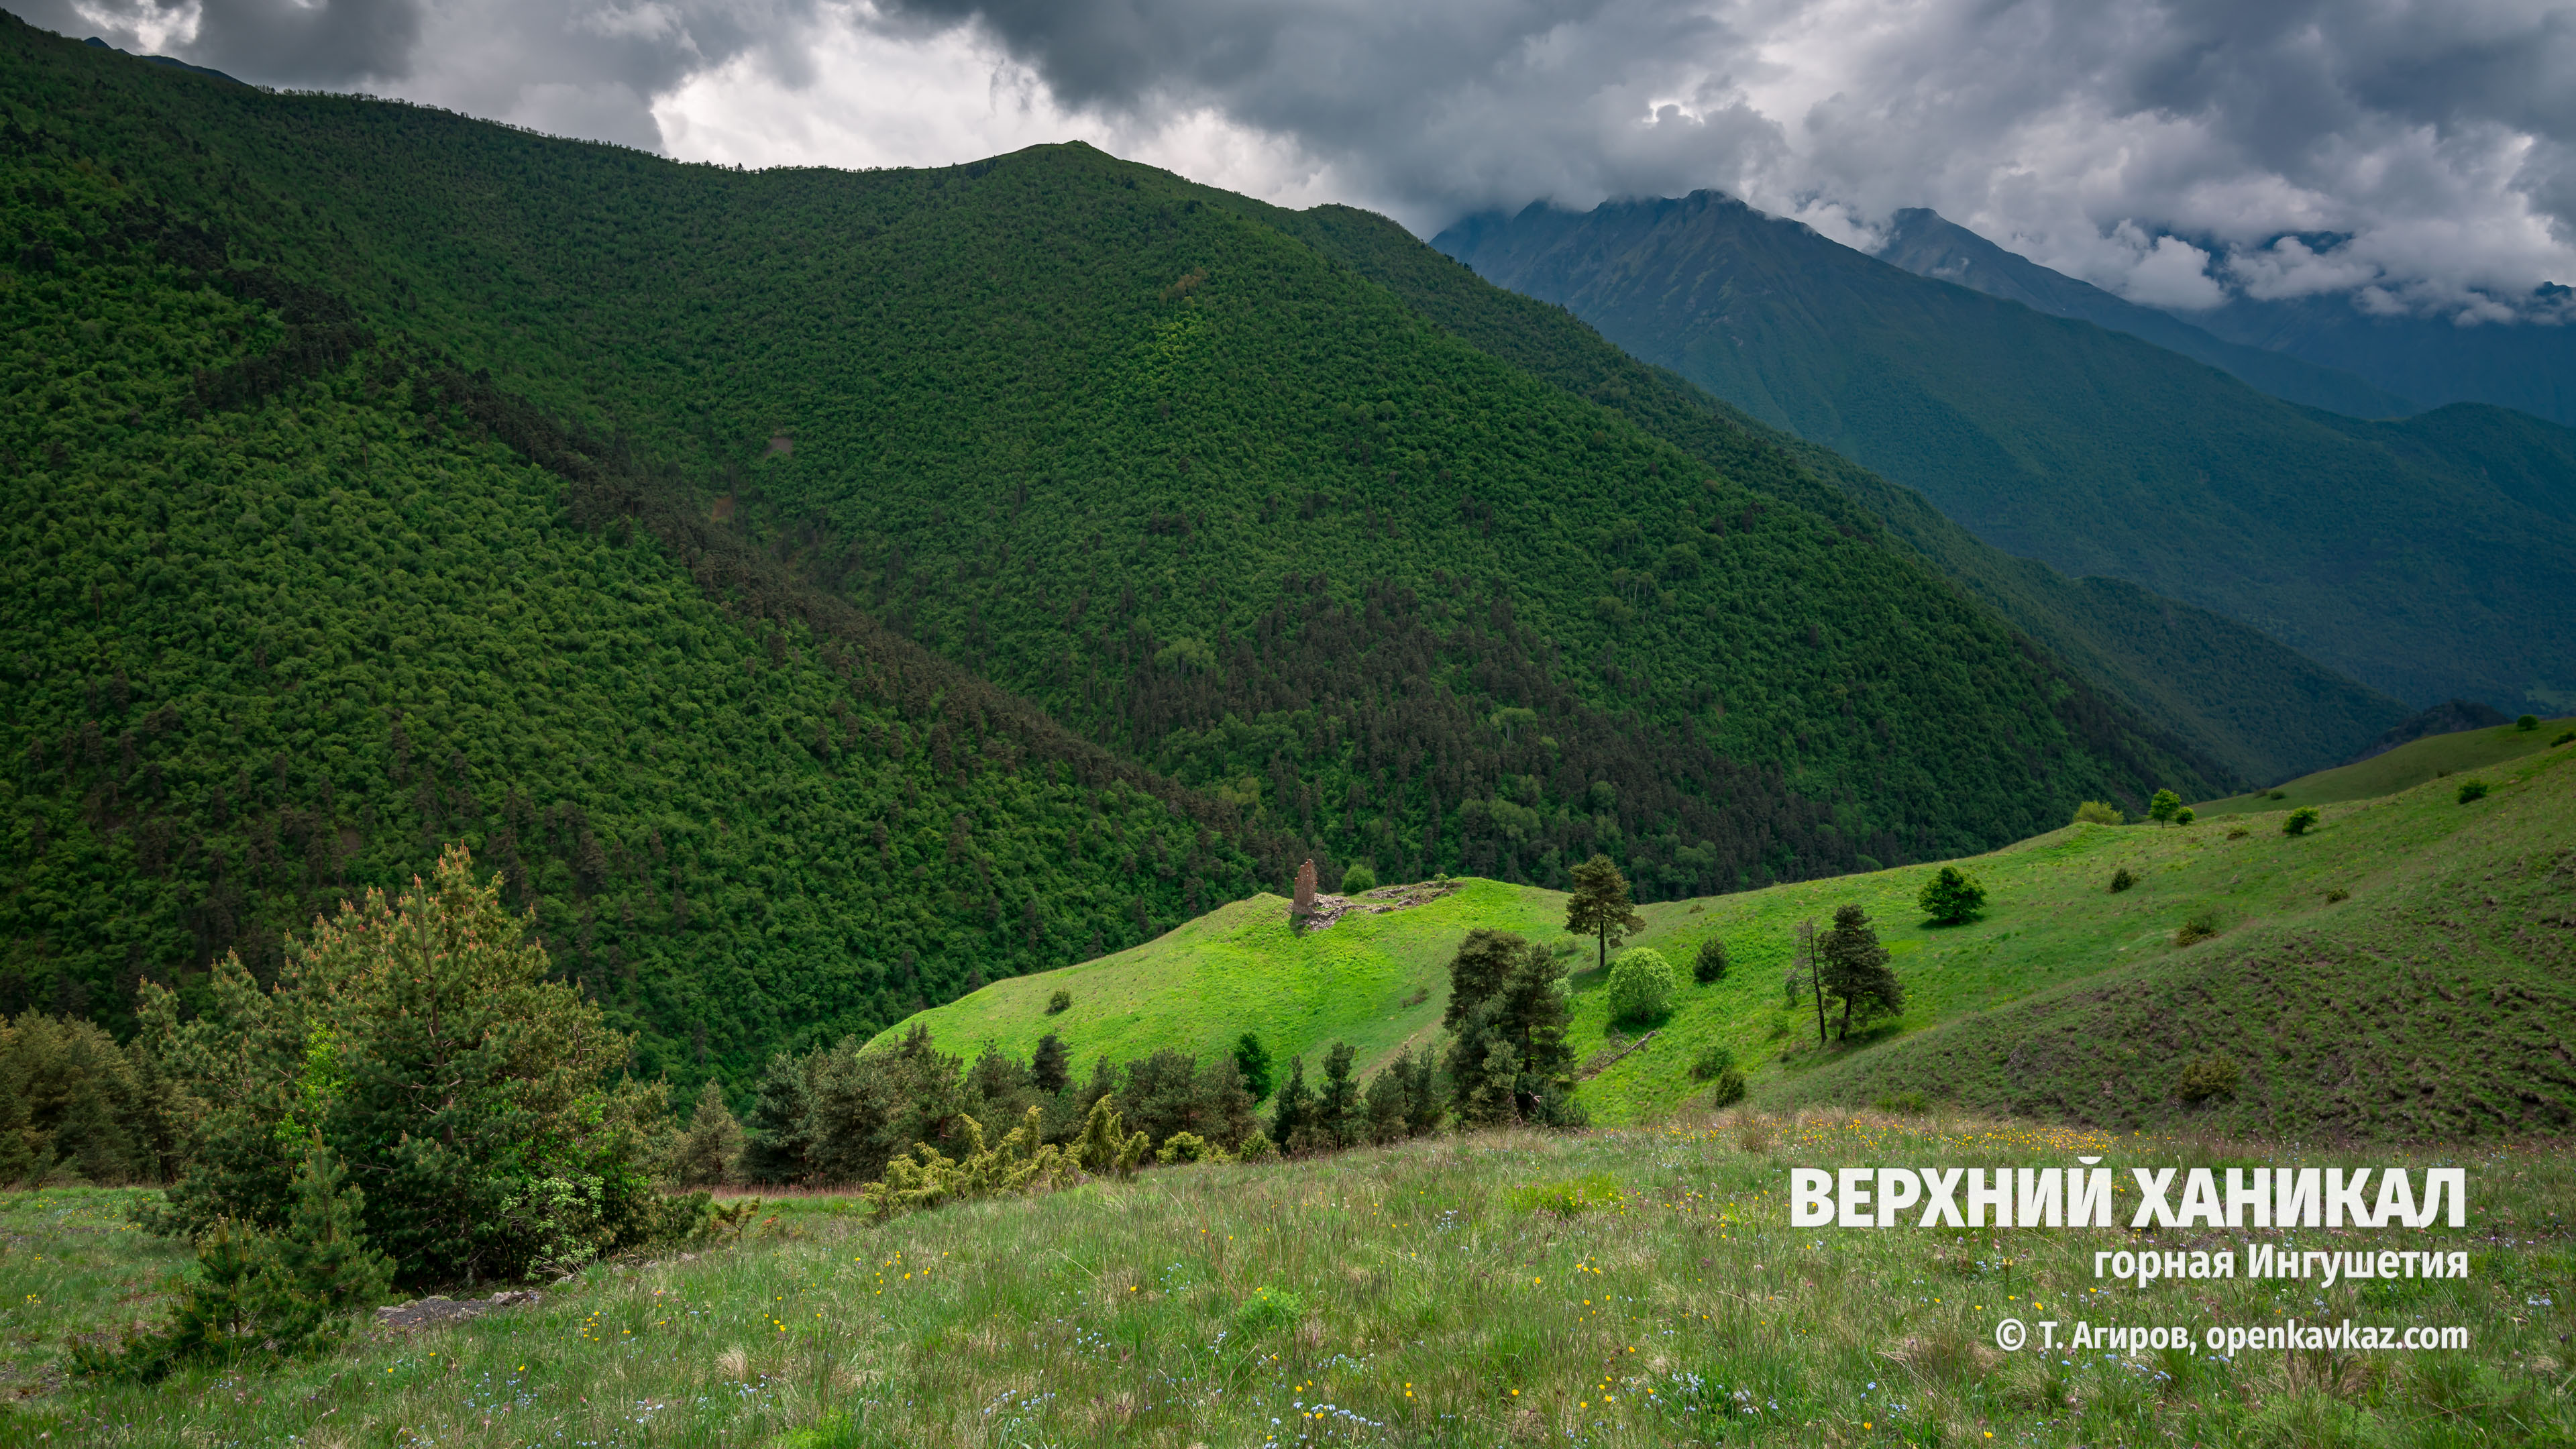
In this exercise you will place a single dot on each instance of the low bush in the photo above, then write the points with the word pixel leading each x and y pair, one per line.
pixel 1729 1089
pixel 1753 1133
pixel 2472 790
pixel 1641 985
pixel 2200 927
pixel 2097 812
pixel 2206 1078
pixel 2239 833
pixel 2185 816
pixel 1183 1147
pixel 1708 967
pixel 2563 737
pixel 256 1294
pixel 1570 1197
pixel 2337 894
pixel 2122 879
pixel 1268 1308
pixel 1059 1001
pixel 1357 879
pixel 1713 1060
pixel 431 1046
pixel 2301 821
pixel 1021 1162
pixel 1952 897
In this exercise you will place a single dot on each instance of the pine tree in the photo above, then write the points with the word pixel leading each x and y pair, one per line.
pixel 1422 1108
pixel 709 1152
pixel 320 1268
pixel 1336 1121
pixel 1600 905
pixel 1853 969
pixel 1389 1093
pixel 1296 1105
pixel 1050 1065
pixel 1252 1059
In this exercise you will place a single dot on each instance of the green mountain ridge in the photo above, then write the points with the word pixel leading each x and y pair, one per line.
pixel 2221 688
pixel 2391 551
pixel 923 576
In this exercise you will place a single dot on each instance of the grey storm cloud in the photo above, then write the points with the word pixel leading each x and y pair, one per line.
pixel 590 68
pixel 2417 154
pixel 2415 149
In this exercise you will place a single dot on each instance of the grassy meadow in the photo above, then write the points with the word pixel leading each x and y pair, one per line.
pixel 2403 768
pixel 2053 943
pixel 1376 981
pixel 1439 1293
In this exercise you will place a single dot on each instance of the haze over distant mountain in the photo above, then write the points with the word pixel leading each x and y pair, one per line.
pixel 2321 351
pixel 2526 365
pixel 2428 557
pixel 1924 243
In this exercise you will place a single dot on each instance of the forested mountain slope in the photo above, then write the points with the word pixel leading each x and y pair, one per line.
pixel 288 607
pixel 2389 553
pixel 2226 689
pixel 1134 458
pixel 703 523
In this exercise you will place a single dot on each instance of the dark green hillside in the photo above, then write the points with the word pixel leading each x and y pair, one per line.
pixel 2390 553
pixel 1210 500
pixel 2226 690
pixel 278 623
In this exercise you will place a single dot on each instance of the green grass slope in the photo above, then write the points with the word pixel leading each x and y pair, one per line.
pixel 2396 552
pixel 1422 1295
pixel 2222 688
pixel 1378 982
pixel 2064 1001
pixel 2436 1001
pixel 1215 504
pixel 2402 768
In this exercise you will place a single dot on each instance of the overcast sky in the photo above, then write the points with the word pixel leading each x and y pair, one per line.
pixel 2411 155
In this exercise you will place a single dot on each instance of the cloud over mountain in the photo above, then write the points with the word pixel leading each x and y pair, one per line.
pixel 2418 156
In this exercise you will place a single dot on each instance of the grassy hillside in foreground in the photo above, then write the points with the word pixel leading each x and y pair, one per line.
pixel 2053 945
pixel 2402 768
pixel 1411 1296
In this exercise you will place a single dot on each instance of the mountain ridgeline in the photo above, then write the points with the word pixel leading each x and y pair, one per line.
pixel 2425 557
pixel 2226 690
pixel 1928 245
pixel 818 593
